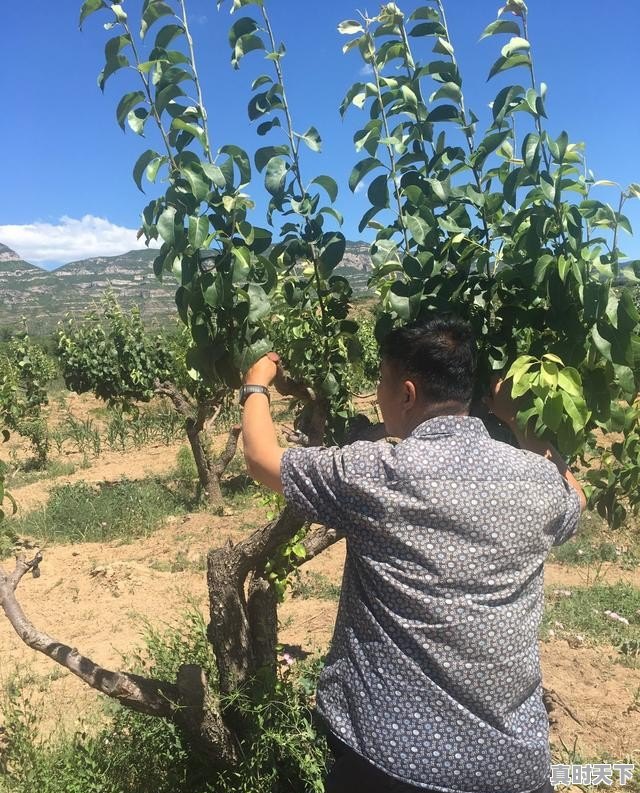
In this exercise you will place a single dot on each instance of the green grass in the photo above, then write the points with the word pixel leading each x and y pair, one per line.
pixel 595 543
pixel 82 513
pixel 583 613
pixel 54 468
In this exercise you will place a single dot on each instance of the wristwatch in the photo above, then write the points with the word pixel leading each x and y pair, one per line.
pixel 246 390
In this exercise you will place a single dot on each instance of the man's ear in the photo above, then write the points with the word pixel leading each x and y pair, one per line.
pixel 410 394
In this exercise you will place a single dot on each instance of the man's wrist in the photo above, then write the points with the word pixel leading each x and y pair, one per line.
pixel 253 388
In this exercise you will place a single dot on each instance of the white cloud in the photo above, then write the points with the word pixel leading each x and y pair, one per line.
pixel 363 185
pixel 69 239
pixel 366 70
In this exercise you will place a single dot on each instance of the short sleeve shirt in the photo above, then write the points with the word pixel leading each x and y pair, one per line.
pixel 433 674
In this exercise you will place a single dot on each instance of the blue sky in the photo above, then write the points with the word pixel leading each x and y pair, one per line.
pixel 67 190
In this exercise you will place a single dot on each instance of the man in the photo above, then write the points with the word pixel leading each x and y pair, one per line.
pixel 433 677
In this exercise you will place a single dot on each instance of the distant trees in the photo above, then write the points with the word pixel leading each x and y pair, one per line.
pixel 25 371
pixel 111 354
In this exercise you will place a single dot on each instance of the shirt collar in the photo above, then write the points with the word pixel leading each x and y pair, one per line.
pixel 450 425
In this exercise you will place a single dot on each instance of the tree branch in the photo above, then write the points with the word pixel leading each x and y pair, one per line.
pixel 179 401
pixel 229 451
pixel 153 697
pixel 189 703
pixel 318 541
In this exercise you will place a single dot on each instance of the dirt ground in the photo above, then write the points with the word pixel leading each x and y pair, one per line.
pixel 96 597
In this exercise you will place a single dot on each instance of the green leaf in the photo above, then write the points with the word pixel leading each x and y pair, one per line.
pixel 515 45
pixel 263 155
pixel 197 181
pixel 329 184
pixel 488 145
pixel 267 126
pixel 520 367
pixel 503 64
pixel 112 65
pixel 275 176
pixel 333 212
pixel 363 168
pixel 244 359
pixel 244 45
pixel 141 164
pixel 552 411
pixel 126 105
pixel 425 12
pixel 90 7
pixel 241 27
pixel 167 34
pixel 259 305
pixel 447 91
pixel 501 26
pixel 444 113
pixel 428 29
pixel 332 250
pixel 378 192
pixel 507 99
pixel 531 151
pixel 137 119
pixel 329 385
pixel 198 231
pixel 154 166
pixel 241 160
pixel 214 173
pixel 312 139
pixel 191 129
pixel 418 227
pixel 152 11
pixel 167 225
pixel 576 409
pixel 350 27
pixel 602 345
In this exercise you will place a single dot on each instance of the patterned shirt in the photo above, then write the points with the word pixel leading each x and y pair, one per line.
pixel 433 675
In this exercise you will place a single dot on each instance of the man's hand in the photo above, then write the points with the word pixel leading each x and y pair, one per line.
pixel 263 372
pixel 501 404
pixel 500 401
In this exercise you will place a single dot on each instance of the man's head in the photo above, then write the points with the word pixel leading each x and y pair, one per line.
pixel 426 369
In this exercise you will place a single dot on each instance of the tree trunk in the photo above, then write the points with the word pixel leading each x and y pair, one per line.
pixel 196 416
pixel 209 480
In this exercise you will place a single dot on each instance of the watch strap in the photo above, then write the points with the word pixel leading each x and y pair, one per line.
pixel 247 390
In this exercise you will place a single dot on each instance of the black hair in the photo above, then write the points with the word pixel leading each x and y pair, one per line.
pixel 440 353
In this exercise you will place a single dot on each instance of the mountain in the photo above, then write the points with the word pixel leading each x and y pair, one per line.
pixel 44 298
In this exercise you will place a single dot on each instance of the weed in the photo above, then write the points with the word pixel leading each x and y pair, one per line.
pixel 595 544
pixel 186 470
pixel 585 612
pixel 82 513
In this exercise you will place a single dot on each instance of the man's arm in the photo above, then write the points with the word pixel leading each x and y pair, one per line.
pixel 503 406
pixel 260 442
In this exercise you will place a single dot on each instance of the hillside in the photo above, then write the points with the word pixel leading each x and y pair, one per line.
pixel 45 297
